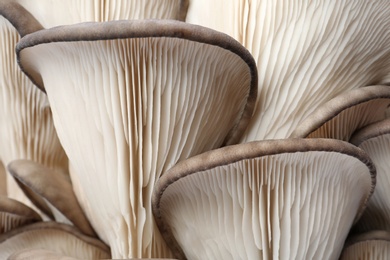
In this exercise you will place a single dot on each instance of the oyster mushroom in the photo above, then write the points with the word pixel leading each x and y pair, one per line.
pixel 50 192
pixel 368 246
pixel 52 236
pixel 340 117
pixel 375 141
pixel 144 95
pixel 307 52
pixel 281 199
pixel 14 214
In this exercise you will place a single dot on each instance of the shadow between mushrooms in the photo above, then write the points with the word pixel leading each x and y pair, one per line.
pixel 134 98
pixel 283 199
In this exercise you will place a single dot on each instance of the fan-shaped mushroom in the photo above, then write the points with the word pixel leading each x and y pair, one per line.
pixel 340 117
pixel 283 199
pixel 375 141
pixel 307 52
pixel 134 98
pixel 60 238
pixel 14 214
pixel 50 192
pixel 368 246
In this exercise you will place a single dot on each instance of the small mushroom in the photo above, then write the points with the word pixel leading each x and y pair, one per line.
pixel 14 214
pixel 340 117
pixel 50 192
pixel 280 199
pixel 368 246
pixel 134 98
pixel 375 141
pixel 52 236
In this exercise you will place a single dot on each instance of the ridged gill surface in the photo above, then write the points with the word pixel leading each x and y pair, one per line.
pixel 367 250
pixel 307 52
pixel 53 13
pixel 128 110
pixel 286 206
pixel 27 130
pixel 377 214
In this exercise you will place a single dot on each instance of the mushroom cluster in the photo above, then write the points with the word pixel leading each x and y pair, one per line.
pixel 194 129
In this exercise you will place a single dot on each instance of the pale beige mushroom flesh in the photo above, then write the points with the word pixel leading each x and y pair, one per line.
pixel 340 117
pixel 50 192
pixel 307 52
pixel 27 130
pixel 52 236
pixel 14 214
pixel 373 245
pixel 134 98
pixel 281 199
pixel 375 141
pixel 28 254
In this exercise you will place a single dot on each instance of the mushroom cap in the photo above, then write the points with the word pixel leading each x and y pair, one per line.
pixel 307 52
pixel 14 214
pixel 340 117
pixel 375 141
pixel 281 199
pixel 367 246
pixel 54 191
pixel 145 95
pixel 39 254
pixel 60 238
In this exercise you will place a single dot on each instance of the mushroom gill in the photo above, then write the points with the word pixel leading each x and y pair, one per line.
pixel 307 52
pixel 367 246
pixel 279 199
pixel 27 130
pixel 340 117
pixel 52 236
pixel 137 97
pixel 375 141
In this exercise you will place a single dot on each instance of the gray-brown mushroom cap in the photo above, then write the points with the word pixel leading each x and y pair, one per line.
pixel 204 174
pixel 53 188
pixel 340 117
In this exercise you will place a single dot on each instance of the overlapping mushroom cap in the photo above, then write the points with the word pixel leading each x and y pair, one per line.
pixel 52 236
pixel 281 199
pixel 368 246
pixel 138 96
pixel 375 141
pixel 307 52
pixel 350 111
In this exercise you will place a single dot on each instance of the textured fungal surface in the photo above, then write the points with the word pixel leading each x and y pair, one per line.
pixel 342 116
pixel 292 205
pixel 307 52
pixel 367 246
pixel 130 109
pixel 375 141
pixel 55 237
pixel 53 13
pixel 27 130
